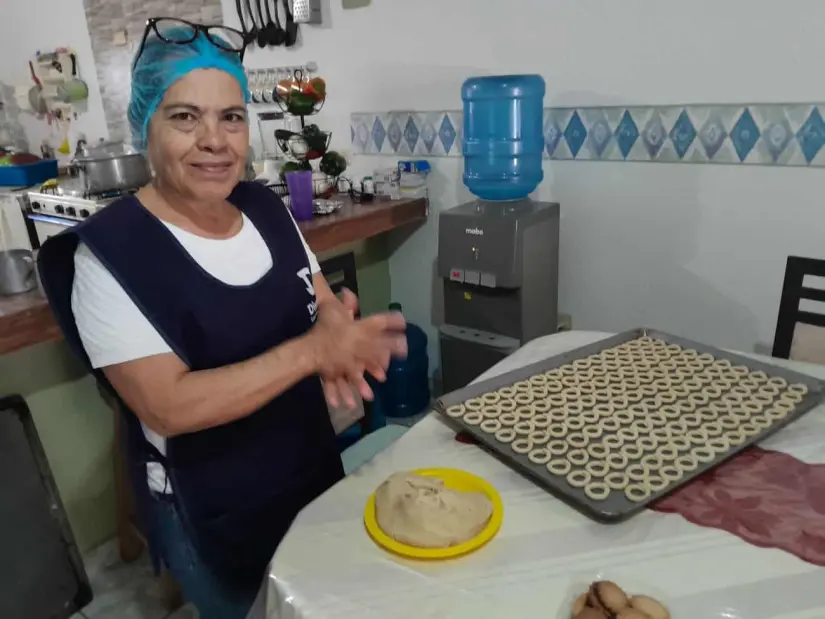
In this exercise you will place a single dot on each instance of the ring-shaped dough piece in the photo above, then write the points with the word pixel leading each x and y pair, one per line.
pixel 524 412
pixel 687 462
pixel 558 447
pixel 667 452
pixel 659 374
pixel 590 417
pixel 657 420
pixel 491 411
pixel 491 398
pixel 456 410
pixel 509 419
pixel 724 364
pixel 636 493
pixel 759 376
pixel 610 424
pixel 639 411
pixel 648 391
pixel 507 406
pixel 681 443
pixel 523 398
pixel 577 440
pixel 597 451
pixel 792 398
pixel 582 364
pixel 728 422
pixel 592 431
pixel 570 382
pixel 617 480
pixel 784 405
pixel 671 472
pixel 474 404
pixel 655 483
pixel 705 358
pixel 554 374
pixel 736 437
pixel 506 392
pixel 602 397
pixel 557 400
pixel 668 365
pixel 740 370
pixel 540 406
pixel 542 422
pixel 761 399
pixel 553 386
pixel 691 384
pixel 707 414
pixel 636 472
pixel 798 388
pixel 704 454
pixel 539 437
pixel 628 435
pixel 574 408
pixel 720 408
pixel 600 382
pixel 778 381
pixel 557 430
pixel 761 421
pixel 574 423
pixel 686 406
pixel 597 468
pixel 537 380
pixel 679 391
pixel 617 461
pixel 741 391
pixel 632 451
pixel 667 397
pixel 558 415
pixel 775 414
pixel 652 462
pixel 597 490
pixel 539 393
pixel 669 412
pixel 587 400
pixel 710 428
pixel 524 427
pixel 490 426
pixel 660 435
pixel 540 456
pixel 733 398
pixel 719 444
pixel 616 390
pixel 473 418
pixel 603 410
pixel 749 428
pixel 559 466
pixel 749 384
pixel 505 435
pixel 712 391
pixel 612 442
pixel 646 443
pixel 522 386
pixel 624 417
pixel 663 384
pixel 522 445
pixel 633 396
pixel 579 457
pixel 567 370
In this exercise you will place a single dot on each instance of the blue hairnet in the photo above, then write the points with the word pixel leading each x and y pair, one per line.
pixel 161 64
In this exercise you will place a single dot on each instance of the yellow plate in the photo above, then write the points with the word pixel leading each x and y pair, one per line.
pixel 457 480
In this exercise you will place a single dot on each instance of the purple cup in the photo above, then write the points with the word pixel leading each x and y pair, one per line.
pixel 300 194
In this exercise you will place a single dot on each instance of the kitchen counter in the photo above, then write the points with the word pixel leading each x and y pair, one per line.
pixel 26 319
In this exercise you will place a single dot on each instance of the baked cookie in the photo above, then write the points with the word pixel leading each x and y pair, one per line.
pixel 650 607
pixel 607 596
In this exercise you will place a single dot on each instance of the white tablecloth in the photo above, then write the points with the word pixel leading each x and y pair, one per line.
pixel 327 567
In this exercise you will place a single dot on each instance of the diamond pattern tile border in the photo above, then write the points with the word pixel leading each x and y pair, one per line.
pixel 786 134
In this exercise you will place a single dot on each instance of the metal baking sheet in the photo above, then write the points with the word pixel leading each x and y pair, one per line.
pixel 616 507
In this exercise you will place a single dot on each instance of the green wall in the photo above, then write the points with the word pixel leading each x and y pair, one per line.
pixel 76 427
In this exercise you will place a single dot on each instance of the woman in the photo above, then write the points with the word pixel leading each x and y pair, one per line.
pixel 198 304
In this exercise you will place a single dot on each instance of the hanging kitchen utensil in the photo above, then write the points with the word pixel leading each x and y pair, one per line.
pixel 36 99
pixel 280 33
pixel 291 27
pixel 263 41
pixel 269 26
pixel 253 32
pixel 75 89
pixel 248 37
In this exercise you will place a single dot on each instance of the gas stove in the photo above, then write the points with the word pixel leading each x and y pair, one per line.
pixel 73 208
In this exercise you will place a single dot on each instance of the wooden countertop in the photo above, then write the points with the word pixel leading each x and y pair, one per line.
pixel 26 319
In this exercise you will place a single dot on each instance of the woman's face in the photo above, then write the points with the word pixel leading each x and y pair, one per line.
pixel 198 137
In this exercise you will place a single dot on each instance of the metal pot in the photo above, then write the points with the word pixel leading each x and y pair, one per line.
pixel 106 173
pixel 17 272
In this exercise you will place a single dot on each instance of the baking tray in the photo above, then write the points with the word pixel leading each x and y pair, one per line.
pixel 616 507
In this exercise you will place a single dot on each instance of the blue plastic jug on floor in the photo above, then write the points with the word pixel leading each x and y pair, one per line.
pixel 406 391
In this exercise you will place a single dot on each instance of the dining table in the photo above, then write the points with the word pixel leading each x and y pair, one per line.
pixel 744 541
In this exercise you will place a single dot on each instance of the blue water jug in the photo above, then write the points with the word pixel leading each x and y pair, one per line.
pixel 406 391
pixel 503 135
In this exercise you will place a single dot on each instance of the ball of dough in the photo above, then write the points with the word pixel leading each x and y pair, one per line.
pixel 421 511
pixel 607 596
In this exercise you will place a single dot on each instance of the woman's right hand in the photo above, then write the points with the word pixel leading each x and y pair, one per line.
pixel 343 348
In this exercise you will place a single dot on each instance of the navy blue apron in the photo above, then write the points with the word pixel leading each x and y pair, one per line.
pixel 240 485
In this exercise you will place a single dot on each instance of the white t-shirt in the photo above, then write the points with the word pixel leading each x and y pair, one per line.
pixel 112 328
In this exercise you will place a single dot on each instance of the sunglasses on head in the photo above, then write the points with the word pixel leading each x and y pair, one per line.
pixel 180 32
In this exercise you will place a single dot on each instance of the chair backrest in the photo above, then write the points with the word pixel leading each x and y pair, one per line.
pixel 42 574
pixel 800 334
pixel 340 272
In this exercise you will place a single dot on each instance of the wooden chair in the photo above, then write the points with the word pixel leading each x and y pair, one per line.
pixel 800 334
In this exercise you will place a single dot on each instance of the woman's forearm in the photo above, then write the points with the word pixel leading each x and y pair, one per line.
pixel 172 400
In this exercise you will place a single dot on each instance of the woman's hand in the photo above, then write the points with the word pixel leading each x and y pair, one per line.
pixel 345 348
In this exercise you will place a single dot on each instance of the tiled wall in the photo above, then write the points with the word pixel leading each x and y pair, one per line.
pixel 107 17
pixel 780 134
